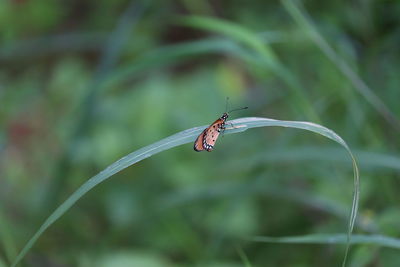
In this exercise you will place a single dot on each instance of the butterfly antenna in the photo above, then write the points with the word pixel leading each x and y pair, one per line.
pixel 227 102
pixel 237 109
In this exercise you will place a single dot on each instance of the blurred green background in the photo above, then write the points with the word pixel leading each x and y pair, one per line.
pixel 83 83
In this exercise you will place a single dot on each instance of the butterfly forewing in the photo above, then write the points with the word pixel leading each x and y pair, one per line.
pixel 209 136
pixel 212 134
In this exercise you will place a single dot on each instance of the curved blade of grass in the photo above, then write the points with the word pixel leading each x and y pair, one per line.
pixel 171 54
pixel 380 240
pixel 239 125
pixel 234 31
pixel 243 256
pixel 301 18
pixel 260 49
pixel 6 239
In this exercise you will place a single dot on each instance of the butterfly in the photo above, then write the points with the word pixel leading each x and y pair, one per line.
pixel 206 140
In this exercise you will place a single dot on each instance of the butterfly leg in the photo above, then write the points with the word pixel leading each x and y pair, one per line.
pixel 232 126
pixel 223 128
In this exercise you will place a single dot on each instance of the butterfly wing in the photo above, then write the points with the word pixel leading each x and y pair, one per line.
pixel 212 134
pixel 206 140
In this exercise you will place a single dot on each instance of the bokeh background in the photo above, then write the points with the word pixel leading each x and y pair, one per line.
pixel 83 83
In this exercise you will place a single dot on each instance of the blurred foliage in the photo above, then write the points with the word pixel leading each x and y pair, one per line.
pixel 83 83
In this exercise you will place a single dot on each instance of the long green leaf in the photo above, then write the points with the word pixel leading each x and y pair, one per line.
pixel 380 240
pixel 184 137
pixel 262 51
pixel 302 19
pixel 233 30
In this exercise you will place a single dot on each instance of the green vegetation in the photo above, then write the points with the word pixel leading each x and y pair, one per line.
pixel 85 83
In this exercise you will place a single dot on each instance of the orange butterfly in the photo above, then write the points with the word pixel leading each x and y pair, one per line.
pixel 206 140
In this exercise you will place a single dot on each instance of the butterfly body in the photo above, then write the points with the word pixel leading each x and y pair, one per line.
pixel 207 139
